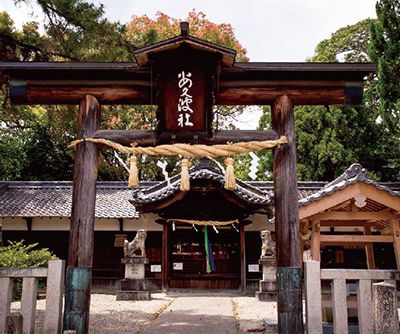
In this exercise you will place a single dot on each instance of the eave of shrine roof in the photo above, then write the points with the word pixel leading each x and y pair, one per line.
pixel 227 55
pixel 165 189
pixel 355 173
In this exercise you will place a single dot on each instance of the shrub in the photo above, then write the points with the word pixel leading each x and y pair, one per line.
pixel 19 255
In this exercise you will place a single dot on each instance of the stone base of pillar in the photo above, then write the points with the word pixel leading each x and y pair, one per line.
pixel 133 295
pixel 268 291
pixel 266 296
pixel 134 286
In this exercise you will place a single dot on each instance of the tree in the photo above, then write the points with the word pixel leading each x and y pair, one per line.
pixel 385 50
pixel 74 30
pixel 142 30
pixel 330 138
pixel 348 44
pixel 77 30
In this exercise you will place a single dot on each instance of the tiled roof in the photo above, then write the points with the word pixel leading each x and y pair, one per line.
pixel 163 190
pixel 355 173
pixel 53 199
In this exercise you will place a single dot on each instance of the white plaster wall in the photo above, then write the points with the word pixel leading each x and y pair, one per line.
pixel 50 224
pixel 260 222
pixel 63 224
pixel 104 224
pixel 146 221
pixel 14 224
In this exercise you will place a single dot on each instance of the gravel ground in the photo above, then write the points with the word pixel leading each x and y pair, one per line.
pixel 107 315
pixel 250 313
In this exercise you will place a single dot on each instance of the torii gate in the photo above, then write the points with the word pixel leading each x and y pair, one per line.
pixel 217 80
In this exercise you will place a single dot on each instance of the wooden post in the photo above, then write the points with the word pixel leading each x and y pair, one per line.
pixel 369 250
pixel 165 257
pixel 242 259
pixel 396 239
pixel 80 255
pixel 290 318
pixel 316 241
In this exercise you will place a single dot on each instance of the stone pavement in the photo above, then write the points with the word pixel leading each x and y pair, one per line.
pixel 196 315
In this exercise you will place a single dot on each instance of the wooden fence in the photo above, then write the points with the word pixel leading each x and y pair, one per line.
pixel 30 276
pixel 365 299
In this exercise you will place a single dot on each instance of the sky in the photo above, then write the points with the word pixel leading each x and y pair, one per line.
pixel 270 30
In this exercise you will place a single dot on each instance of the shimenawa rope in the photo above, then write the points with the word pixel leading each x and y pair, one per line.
pixel 187 151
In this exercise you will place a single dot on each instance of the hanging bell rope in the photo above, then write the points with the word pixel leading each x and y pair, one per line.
pixel 188 151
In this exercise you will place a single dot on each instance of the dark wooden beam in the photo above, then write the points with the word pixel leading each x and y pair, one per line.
pixel 299 96
pixel 23 93
pixel 242 258
pixel 290 318
pixel 81 238
pixel 165 257
pixel 28 223
pixel 149 138
pixel 141 95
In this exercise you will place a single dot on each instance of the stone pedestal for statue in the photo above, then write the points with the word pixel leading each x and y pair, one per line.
pixel 134 286
pixel 268 283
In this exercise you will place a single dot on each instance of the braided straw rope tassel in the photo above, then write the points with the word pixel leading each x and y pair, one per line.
pixel 133 172
pixel 230 179
pixel 185 178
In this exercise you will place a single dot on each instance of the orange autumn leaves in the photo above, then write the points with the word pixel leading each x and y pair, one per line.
pixel 142 30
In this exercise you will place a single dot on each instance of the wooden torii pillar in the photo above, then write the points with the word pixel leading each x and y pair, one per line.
pixel 81 237
pixel 287 226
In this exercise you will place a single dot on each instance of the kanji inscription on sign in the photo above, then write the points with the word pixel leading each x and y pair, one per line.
pixel 185 99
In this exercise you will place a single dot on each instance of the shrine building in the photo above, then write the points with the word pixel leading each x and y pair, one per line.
pixel 40 212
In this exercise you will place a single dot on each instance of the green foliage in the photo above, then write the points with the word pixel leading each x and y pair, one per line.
pixel 349 44
pixel 12 154
pixel 34 153
pixel 74 30
pixel 19 255
pixel 385 50
pixel 47 157
pixel 33 140
pixel 330 138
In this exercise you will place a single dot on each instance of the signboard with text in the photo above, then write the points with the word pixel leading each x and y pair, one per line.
pixel 185 90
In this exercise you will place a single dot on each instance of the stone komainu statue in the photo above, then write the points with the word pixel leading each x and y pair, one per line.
pixel 268 245
pixel 131 248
